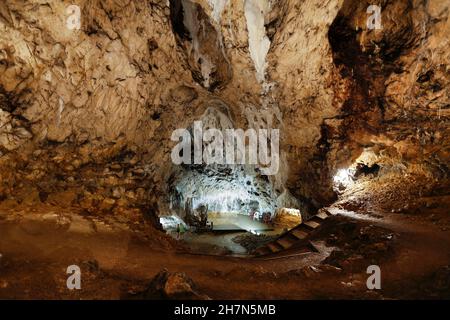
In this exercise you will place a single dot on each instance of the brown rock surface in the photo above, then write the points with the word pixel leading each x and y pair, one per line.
pixel 115 89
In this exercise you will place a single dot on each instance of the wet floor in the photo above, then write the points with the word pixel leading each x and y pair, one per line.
pixel 226 227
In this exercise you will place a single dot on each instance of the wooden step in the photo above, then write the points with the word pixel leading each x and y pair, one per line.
pixel 316 219
pixel 274 247
pixel 285 242
pixel 321 215
pixel 291 237
pixel 299 234
pixel 311 224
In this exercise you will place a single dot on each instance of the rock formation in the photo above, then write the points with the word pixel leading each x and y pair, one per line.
pixel 91 91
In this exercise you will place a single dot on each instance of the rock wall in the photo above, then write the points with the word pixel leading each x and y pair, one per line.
pixel 74 101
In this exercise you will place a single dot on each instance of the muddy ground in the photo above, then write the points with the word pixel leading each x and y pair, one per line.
pixel 119 260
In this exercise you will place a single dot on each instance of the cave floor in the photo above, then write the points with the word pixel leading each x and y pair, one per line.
pixel 213 243
pixel 118 260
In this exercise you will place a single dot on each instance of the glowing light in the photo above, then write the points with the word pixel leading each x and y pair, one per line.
pixel 171 222
pixel 226 201
pixel 289 211
pixel 343 176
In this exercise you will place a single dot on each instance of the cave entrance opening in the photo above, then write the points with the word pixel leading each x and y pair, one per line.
pixel 221 209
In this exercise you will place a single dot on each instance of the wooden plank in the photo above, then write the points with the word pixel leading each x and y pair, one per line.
pixel 273 247
pixel 299 234
pixel 285 242
pixel 312 224
pixel 322 215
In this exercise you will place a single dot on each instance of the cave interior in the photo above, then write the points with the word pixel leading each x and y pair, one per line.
pixel 209 142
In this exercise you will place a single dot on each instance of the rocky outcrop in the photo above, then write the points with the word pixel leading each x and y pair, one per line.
pixel 177 285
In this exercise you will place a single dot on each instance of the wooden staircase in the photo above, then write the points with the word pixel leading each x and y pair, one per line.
pixel 296 236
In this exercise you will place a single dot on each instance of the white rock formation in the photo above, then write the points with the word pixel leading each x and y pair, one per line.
pixel 258 42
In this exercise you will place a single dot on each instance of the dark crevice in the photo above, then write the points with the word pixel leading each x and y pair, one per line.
pixel 208 45
pixel 177 18
pixel 353 64
pixel 8 101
